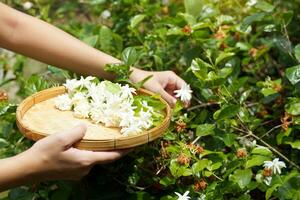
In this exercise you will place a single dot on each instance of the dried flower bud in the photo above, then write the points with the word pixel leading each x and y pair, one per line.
pixel 267 172
pixel 183 159
pixel 180 125
pixel 3 96
pixel 241 153
pixel 200 185
pixel 187 29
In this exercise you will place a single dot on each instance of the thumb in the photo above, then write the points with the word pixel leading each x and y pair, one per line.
pixel 169 98
pixel 69 137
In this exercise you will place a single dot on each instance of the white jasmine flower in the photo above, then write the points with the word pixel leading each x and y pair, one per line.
pixel 145 119
pixel 79 97
pixel 185 196
pixel 27 5
pixel 131 130
pixel 185 93
pixel 268 180
pixel 274 165
pixel 127 91
pixel 82 109
pixel 63 102
pixel 251 3
pixel 71 85
pixel 85 82
pixel 105 14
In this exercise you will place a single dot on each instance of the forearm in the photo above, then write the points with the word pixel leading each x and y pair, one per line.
pixel 39 40
pixel 15 171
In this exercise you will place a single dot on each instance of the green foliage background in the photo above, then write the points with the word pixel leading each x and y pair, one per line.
pixel 243 63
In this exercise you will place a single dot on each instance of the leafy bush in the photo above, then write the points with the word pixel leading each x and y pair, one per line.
pixel 242 59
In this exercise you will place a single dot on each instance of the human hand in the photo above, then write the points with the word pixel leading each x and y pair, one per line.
pixel 54 158
pixel 163 82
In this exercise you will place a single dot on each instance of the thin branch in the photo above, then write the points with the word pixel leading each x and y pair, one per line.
pixel 272 129
pixel 202 105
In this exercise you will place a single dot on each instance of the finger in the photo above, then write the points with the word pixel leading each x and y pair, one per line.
pixel 169 98
pixel 104 157
pixel 179 82
pixel 68 137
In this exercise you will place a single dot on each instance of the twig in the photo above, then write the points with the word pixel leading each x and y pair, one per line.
pixel 272 129
pixel 202 105
pixel 196 140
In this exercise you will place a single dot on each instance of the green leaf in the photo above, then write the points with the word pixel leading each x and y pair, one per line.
pixel 270 190
pixel 200 165
pixel 268 91
pixel 228 139
pixel 166 181
pixel 250 19
pixel 293 74
pixel 136 20
pixel 227 112
pixel 241 177
pixel 297 52
pixel 105 38
pixel 295 144
pixel 256 160
pixel 200 68
pixel 293 107
pixel 264 6
pixel 92 40
pixel 205 129
pixel 178 170
pixel 222 56
pixel 193 7
pixel 190 19
pixel 261 151
pixel 130 56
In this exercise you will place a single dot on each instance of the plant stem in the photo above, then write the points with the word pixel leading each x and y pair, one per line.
pixel 272 129
pixel 202 105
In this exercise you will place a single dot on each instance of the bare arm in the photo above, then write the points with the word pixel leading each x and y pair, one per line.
pixel 53 158
pixel 37 39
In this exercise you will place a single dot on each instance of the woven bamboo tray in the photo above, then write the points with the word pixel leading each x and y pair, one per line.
pixel 37 118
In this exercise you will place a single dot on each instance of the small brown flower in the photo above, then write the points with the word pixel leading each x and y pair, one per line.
pixel 3 96
pixel 267 172
pixel 241 153
pixel 200 185
pixel 223 46
pixel 187 29
pixel 220 34
pixel 199 149
pixel 180 125
pixel 183 159
pixel 253 52
pixel 285 120
pixel 277 87
pixel 165 10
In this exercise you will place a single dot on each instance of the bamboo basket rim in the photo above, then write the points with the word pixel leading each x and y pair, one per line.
pixel 89 144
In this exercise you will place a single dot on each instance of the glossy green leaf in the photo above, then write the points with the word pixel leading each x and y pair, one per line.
pixel 205 129
pixel 297 52
pixel 130 56
pixel 223 56
pixel 293 74
pixel 92 40
pixel 200 165
pixel 242 177
pixel 294 144
pixel 227 112
pixel 264 6
pixel 256 160
pixel 136 20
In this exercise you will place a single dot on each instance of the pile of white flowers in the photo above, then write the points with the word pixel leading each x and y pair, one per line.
pixel 105 102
